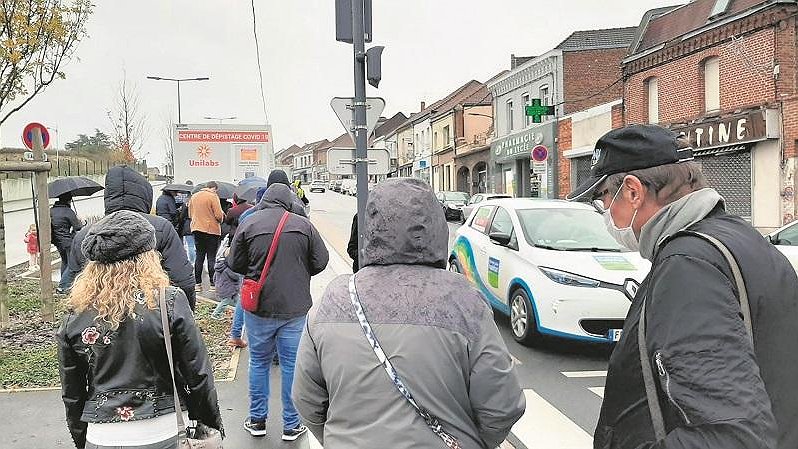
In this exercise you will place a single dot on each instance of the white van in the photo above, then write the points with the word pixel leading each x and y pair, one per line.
pixel 349 186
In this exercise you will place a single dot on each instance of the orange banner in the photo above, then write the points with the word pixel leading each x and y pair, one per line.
pixel 249 154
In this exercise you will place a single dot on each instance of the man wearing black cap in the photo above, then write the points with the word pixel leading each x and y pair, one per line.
pixel 709 374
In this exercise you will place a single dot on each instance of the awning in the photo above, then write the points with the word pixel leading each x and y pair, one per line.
pixel 720 150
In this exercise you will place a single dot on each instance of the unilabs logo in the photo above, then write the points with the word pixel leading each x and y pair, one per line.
pixel 204 153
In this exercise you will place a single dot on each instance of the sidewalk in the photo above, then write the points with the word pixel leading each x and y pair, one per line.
pixel 38 416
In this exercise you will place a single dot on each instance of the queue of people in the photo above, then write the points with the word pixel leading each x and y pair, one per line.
pixel 406 354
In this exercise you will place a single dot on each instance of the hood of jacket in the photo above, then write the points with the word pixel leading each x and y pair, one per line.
pixel 404 225
pixel 281 196
pixel 126 189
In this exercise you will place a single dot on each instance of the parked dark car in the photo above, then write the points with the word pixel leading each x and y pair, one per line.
pixel 452 204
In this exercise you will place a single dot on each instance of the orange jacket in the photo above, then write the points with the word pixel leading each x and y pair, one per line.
pixel 206 212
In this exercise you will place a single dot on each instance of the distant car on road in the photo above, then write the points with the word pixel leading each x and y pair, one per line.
pixel 478 198
pixel 348 186
pixel 551 266
pixel 786 241
pixel 335 185
pixel 452 203
pixel 318 186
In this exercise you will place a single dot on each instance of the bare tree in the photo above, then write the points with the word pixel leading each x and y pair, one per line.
pixel 36 38
pixel 128 120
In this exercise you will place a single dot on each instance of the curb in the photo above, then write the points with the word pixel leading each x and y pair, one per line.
pixel 233 365
pixel 337 262
pixel 28 390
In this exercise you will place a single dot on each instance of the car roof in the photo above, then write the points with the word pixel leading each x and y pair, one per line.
pixel 534 203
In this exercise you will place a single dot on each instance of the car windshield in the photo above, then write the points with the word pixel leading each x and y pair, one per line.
pixel 566 230
pixel 455 196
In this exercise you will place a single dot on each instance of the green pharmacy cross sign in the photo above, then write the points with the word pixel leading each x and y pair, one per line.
pixel 537 110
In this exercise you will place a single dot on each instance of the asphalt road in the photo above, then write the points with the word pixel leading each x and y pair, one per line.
pixel 564 381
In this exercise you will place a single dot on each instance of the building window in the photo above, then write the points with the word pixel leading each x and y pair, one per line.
pixel 653 100
pixel 509 116
pixel 525 101
pixel 448 183
pixel 712 84
pixel 544 95
pixel 720 8
pixel 446 136
pixel 435 143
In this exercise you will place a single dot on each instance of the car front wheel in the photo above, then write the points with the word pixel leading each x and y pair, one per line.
pixel 454 266
pixel 522 318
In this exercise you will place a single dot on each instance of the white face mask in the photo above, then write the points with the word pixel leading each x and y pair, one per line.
pixel 624 236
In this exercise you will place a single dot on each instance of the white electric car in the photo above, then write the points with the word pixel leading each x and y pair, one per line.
pixel 786 241
pixel 551 266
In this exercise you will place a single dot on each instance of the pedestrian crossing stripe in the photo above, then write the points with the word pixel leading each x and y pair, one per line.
pixel 598 390
pixel 584 374
pixel 543 425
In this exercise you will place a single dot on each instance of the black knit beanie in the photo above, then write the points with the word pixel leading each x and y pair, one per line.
pixel 119 236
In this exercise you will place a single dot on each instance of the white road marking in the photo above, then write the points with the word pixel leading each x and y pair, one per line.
pixel 598 390
pixel 584 374
pixel 515 360
pixel 314 443
pixel 543 425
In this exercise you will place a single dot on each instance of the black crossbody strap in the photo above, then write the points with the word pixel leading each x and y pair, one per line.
pixel 648 374
pixel 167 337
pixel 431 420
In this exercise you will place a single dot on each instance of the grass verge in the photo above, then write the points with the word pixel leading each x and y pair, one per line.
pixel 28 352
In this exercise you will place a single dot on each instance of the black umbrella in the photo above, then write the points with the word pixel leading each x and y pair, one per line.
pixel 177 188
pixel 74 186
pixel 225 191
pixel 249 191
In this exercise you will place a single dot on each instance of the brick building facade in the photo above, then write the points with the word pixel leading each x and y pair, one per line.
pixel 724 74
pixel 582 72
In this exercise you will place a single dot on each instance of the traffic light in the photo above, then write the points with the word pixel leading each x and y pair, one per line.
pixel 374 65
pixel 343 20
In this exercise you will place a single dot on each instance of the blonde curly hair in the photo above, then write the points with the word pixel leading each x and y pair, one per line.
pixel 111 289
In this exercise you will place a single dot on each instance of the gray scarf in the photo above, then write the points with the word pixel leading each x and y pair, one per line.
pixel 675 217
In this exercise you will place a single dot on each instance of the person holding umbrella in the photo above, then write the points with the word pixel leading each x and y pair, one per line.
pixel 64 224
pixel 166 206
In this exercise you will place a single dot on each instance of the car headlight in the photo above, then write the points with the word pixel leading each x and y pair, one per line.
pixel 570 279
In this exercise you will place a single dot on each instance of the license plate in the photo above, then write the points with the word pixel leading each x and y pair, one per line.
pixel 615 334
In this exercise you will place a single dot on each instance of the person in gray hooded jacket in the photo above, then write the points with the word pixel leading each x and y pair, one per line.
pixel 436 329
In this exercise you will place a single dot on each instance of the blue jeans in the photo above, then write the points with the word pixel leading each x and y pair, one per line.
pixel 264 334
pixel 238 321
pixel 191 249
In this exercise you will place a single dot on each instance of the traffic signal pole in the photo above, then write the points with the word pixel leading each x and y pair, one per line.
pixel 361 135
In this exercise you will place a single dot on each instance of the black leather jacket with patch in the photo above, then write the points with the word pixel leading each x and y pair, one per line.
pixel 116 375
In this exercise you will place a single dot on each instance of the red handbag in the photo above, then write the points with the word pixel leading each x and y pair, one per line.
pixel 250 290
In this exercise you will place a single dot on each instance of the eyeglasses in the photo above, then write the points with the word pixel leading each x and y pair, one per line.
pixel 598 201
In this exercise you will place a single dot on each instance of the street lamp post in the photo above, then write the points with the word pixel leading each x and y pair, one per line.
pixel 220 118
pixel 178 80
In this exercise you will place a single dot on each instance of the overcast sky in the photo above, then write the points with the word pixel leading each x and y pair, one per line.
pixel 432 47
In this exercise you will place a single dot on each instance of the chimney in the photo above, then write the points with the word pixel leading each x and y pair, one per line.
pixel 423 105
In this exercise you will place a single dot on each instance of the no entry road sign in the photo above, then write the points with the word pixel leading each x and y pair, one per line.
pixel 27 135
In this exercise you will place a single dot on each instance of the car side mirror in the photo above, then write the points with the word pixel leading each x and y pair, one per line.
pixel 500 238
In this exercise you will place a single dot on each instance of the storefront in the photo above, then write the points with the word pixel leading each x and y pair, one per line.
pixel 523 163
pixel 740 155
